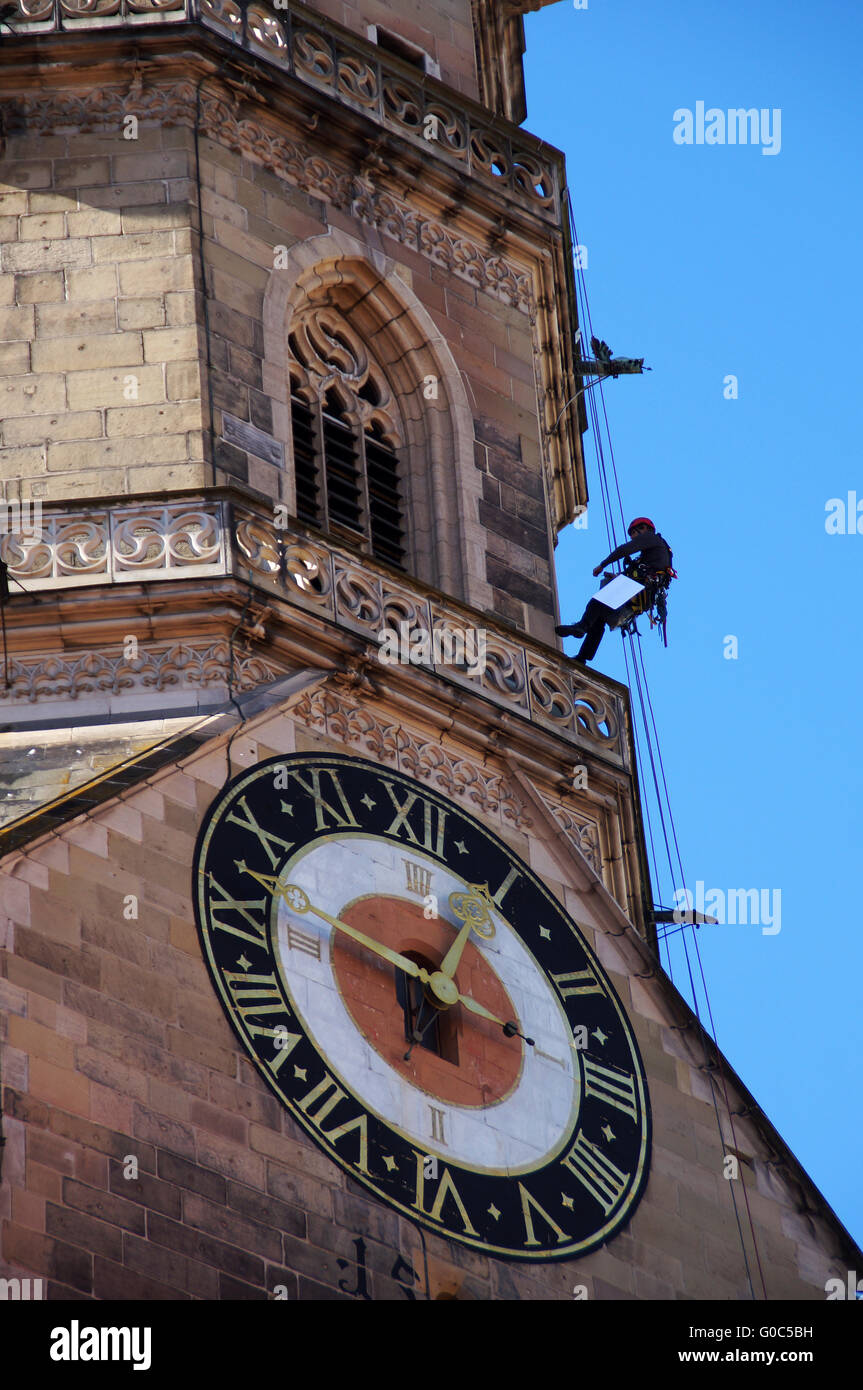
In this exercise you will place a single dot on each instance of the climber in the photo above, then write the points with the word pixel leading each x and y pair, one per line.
pixel 652 569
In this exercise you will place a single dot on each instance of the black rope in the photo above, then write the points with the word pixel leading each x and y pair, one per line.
pixel 4 599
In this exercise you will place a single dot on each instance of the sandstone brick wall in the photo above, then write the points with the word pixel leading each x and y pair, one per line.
pixel 97 303
pixel 115 1045
pixel 514 514
pixel 247 213
pixel 103 345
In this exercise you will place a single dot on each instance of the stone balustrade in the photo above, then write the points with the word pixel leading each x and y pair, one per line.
pixel 220 534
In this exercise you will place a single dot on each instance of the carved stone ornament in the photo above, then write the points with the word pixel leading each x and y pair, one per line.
pixel 581 830
pixel 116 544
pixel 355 725
pixel 158 667
pixel 326 352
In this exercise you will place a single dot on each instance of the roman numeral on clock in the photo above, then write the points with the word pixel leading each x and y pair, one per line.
pixel 323 807
pixel 304 941
pixel 596 1173
pixel 529 1204
pixel 578 982
pixel 433 823
pixel 358 1124
pixel 446 1189
pixel 248 822
pixel 437 1124
pixel 611 1086
pixel 498 897
pixel 221 901
pixel 254 995
pixel 418 878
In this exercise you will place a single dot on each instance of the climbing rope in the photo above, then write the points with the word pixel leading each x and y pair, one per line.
pixel 648 753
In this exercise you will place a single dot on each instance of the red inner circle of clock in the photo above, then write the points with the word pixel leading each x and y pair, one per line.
pixel 464 1059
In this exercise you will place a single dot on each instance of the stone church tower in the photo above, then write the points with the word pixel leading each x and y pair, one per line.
pixel 328 965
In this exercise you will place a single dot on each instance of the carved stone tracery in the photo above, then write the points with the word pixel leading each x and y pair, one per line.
pixel 581 830
pixel 116 543
pixel 426 760
pixel 326 352
pixel 196 665
pixel 355 71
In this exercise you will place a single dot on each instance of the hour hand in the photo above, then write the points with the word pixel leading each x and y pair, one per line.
pixel 473 913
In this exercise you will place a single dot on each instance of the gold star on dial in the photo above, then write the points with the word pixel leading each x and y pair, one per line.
pixel 608 1132
pixel 461 847
pixel 544 932
pixel 367 802
pixel 493 1212
pixel 567 1201
pixel 390 1162
pixel 286 808
pixel 243 963
pixel 300 1073
pixel 602 1038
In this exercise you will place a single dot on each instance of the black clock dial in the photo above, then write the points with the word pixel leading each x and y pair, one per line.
pixel 423 1005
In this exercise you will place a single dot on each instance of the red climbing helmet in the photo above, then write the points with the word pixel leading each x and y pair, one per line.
pixel 640 521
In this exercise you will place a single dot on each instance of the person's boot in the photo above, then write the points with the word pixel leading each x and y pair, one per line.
pixel 571 630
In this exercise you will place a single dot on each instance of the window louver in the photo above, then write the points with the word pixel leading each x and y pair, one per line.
pixel 305 474
pixel 385 509
pixel 346 474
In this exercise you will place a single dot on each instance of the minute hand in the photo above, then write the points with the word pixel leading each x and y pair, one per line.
pixel 298 901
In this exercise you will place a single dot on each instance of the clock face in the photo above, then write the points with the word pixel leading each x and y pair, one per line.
pixel 422 1005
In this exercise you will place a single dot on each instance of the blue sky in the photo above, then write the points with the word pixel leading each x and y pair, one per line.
pixel 712 260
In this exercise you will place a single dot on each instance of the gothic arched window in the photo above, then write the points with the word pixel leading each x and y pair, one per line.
pixel 346 437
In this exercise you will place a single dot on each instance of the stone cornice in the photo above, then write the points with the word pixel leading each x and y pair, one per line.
pixel 302 44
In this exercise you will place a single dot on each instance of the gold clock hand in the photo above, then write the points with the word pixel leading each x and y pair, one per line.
pixel 298 901
pixel 473 912
pixel 269 881
pixel 509 1028
pixel 477 1008
pixel 450 962
pixel 441 983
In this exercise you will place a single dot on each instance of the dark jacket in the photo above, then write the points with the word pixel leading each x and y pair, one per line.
pixel 655 551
